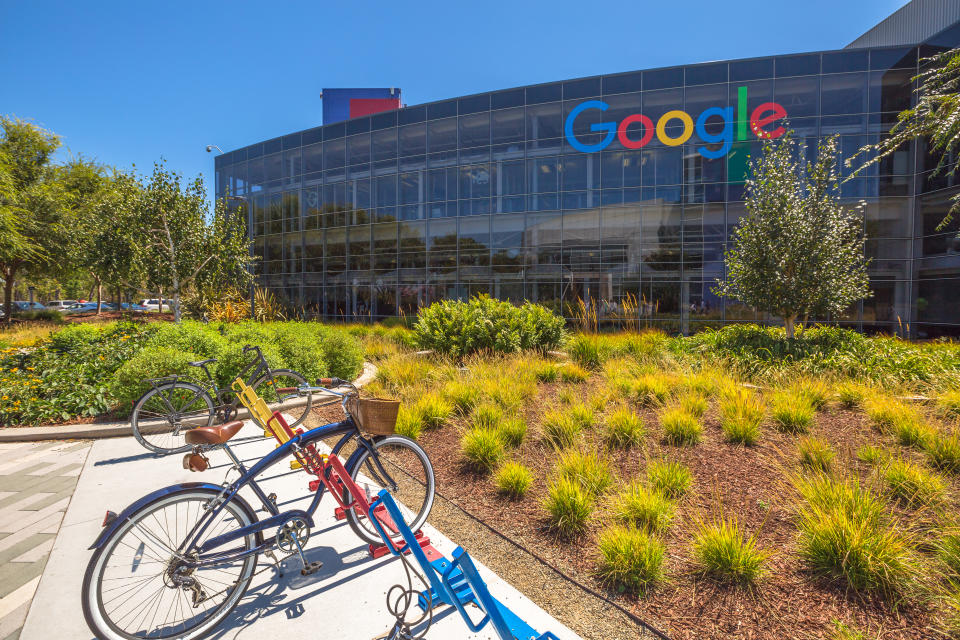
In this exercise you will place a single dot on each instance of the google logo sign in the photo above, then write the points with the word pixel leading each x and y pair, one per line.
pixel 759 122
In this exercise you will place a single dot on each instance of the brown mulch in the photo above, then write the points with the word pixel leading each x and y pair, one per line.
pixel 750 482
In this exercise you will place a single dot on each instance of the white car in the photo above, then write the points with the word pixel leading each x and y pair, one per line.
pixel 153 304
pixel 60 305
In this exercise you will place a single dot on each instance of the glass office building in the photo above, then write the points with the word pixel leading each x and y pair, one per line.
pixel 619 190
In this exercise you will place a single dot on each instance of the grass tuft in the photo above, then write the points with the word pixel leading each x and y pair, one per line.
pixel 815 392
pixel 589 469
pixel 546 371
pixel 646 508
pixel 630 558
pixel 652 389
pixel 513 479
pixel 680 428
pixel 741 413
pixel 949 403
pixel 693 403
pixel 912 484
pixel 851 395
pixel 948 552
pixel 623 428
pixel 816 454
pixel 670 478
pixel 791 411
pixel 409 423
pixel 513 431
pixel 872 455
pixel 943 451
pixel 722 552
pixel 483 448
pixel 559 428
pixel 434 410
pixel 568 506
pixel 574 373
pixel 464 396
pixel 486 416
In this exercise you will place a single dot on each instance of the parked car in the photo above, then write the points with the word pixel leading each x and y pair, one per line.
pixel 60 305
pixel 24 305
pixel 153 304
pixel 128 306
pixel 88 307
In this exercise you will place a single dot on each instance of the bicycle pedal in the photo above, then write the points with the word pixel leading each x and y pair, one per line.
pixel 311 568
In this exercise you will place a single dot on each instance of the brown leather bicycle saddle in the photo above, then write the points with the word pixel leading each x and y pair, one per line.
pixel 217 434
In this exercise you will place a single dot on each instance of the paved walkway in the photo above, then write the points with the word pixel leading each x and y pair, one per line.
pixel 37 480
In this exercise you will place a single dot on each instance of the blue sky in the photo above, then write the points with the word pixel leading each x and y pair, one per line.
pixel 130 82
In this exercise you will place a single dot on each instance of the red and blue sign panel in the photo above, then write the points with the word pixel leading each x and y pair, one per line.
pixel 343 104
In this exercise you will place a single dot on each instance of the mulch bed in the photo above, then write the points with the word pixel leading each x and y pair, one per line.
pixel 750 482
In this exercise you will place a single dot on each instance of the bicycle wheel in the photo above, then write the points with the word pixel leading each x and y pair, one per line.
pixel 408 466
pixel 135 587
pixel 162 414
pixel 290 403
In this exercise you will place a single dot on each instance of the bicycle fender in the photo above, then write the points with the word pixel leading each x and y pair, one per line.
pixel 110 527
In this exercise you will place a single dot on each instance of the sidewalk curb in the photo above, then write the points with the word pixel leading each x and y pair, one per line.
pixel 118 429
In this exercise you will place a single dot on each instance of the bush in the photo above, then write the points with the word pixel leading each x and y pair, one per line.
pixel 680 428
pixel 589 470
pixel 672 479
pixel 741 413
pixel 41 315
pixel 791 412
pixel 559 428
pixel 573 373
pixel 722 552
pixel 847 535
pixel 483 448
pixel 943 452
pixel 513 479
pixel 648 509
pixel 74 336
pixel 913 484
pixel 457 329
pixel 816 454
pixel 630 558
pixel 623 428
pixel 568 506
pixel 513 431
pixel 152 362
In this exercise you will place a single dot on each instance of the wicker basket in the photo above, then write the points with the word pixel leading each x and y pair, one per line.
pixel 376 416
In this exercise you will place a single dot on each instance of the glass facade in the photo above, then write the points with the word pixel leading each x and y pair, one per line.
pixel 376 216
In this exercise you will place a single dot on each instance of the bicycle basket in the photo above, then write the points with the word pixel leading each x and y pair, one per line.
pixel 377 416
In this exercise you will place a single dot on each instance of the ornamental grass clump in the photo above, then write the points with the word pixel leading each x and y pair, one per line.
pixel 943 451
pixel 573 373
pixel 948 552
pixel 741 414
pixel 791 412
pixel 703 383
pixel 582 415
pixel 559 428
pixel 589 351
pixel 568 507
pixel 680 428
pixel 693 403
pixel 872 455
pixel 816 392
pixel 670 478
pixel 464 396
pixel 513 479
pixel 885 413
pixel 513 430
pixel 652 389
pixel 483 448
pixel 486 416
pixel 851 395
pixel 546 371
pixel 722 552
pixel 816 454
pixel 409 423
pixel 949 403
pixel 912 484
pixel 589 469
pixel 630 558
pixel 643 507
pixel 434 410
pixel 846 534
pixel 623 429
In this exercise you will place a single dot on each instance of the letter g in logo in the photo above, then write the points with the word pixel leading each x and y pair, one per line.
pixel 609 127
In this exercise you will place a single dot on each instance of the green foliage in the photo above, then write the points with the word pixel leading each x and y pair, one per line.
pixel 872 455
pixel 693 403
pixel 798 251
pixel 433 409
pixel 589 469
pixel 462 395
pixel 513 479
pixel 815 392
pixel 623 428
pixel 900 419
pixel 486 416
pixel 559 428
pixel 948 552
pixel 648 509
pixel 949 403
pixel 943 451
pixel 546 371
pixel 844 632
pixel 573 373
pixel 741 413
pixel 816 454
pixel 846 534
pixel 409 423
pixel 722 552
pixel 630 559
pixel 670 478
pixel 851 395
pixel 581 414
pixel 483 448
pixel 652 389
pixel 913 484
pixel 589 351
pixel 791 411
pixel 152 362
pixel 513 431
pixel 680 428
pixel 457 329
pixel 568 506
pixel 42 315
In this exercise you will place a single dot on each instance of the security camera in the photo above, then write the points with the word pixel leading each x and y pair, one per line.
pixel 209 148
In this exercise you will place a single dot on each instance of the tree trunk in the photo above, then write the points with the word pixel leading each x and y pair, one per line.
pixel 8 294
pixel 99 294
pixel 176 305
pixel 160 301
pixel 788 324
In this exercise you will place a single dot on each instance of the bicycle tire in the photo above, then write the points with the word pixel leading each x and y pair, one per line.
pixel 166 442
pixel 100 621
pixel 284 402
pixel 406 478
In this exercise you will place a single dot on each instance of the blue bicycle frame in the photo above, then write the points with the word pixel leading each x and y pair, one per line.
pixel 247 477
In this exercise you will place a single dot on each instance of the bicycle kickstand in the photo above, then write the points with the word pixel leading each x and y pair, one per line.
pixel 309 568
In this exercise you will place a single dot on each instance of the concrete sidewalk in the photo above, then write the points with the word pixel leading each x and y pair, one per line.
pixel 345 600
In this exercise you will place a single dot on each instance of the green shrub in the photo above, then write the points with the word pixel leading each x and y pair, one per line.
pixel 41 315
pixel 152 362
pixel 872 455
pixel 342 354
pixel 943 451
pixel 573 373
pixel 409 423
pixel 741 413
pixel 630 558
pixel 72 337
pixel 913 484
pixel 624 428
pixel 847 535
pixel 721 551
pixel 513 431
pixel 590 470
pixel 646 508
pixel 434 410
pixel 483 448
pixel 457 329
pixel 680 428
pixel 670 478
pixel 816 454
pixel 791 412
pixel 464 396
pixel 559 428
pixel 568 506
pixel 513 479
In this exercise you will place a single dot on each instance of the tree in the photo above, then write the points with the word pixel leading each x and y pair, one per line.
pixel 936 117
pixel 181 243
pixel 30 203
pixel 798 251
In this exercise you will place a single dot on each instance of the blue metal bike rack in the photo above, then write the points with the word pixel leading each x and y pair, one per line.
pixel 454 582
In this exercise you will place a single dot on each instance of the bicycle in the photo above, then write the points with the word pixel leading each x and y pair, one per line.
pixel 147 578
pixel 174 405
